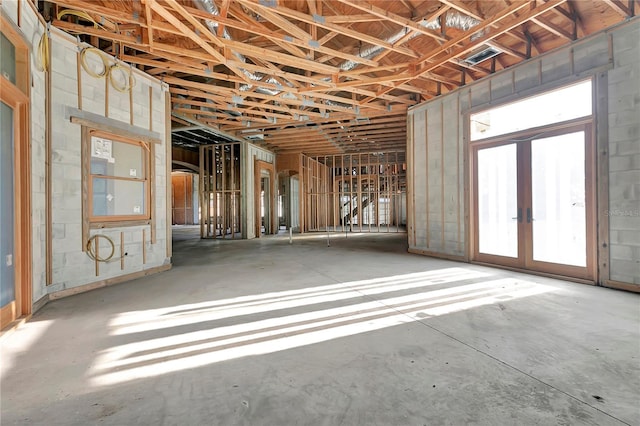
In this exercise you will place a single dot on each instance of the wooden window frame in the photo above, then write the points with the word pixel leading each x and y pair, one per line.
pixel 92 221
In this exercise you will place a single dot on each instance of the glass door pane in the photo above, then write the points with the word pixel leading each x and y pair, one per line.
pixel 7 280
pixel 558 211
pixel 498 201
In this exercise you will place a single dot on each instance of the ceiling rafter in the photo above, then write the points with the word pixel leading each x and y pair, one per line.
pixel 619 7
pixel 324 76
pixel 271 35
pixel 397 19
pixel 502 29
pixel 319 21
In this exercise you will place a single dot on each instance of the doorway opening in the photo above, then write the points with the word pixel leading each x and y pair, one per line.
pixel 265 205
pixel 220 191
pixel 533 184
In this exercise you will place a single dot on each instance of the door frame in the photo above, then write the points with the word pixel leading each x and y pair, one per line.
pixel 258 167
pixel 525 261
pixel 17 97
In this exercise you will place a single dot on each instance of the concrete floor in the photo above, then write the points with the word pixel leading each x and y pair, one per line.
pixel 360 333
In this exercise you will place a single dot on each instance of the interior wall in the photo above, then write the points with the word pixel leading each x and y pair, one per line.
pixel 294 200
pixel 438 154
pixel 361 192
pixel 317 187
pixel 251 154
pixel 72 89
pixel 292 164
pixel 185 200
pixel 220 193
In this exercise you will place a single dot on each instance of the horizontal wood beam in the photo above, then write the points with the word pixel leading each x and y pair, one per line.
pixel 512 23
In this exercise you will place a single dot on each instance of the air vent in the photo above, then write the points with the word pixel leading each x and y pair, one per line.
pixel 482 55
pixel 259 136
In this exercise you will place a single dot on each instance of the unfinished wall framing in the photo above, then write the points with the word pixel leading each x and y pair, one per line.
pixel 220 189
pixel 361 192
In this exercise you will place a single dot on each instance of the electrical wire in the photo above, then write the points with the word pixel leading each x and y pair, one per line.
pixel 42 53
pixel 78 13
pixel 108 70
pixel 86 17
pixel 103 59
pixel 129 78
pixel 91 248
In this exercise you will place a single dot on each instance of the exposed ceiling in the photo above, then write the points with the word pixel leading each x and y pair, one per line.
pixel 323 77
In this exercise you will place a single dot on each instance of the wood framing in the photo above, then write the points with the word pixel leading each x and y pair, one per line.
pixel 220 191
pixel 302 64
pixel 601 108
pixel 364 192
pixel 259 167
pixel 169 156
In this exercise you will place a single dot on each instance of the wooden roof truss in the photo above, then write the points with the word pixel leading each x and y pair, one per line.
pixel 325 76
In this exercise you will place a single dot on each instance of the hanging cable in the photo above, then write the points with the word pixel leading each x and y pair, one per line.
pixel 97 52
pixel 108 70
pixel 92 248
pixel 42 53
pixel 86 17
pixel 77 13
pixel 129 80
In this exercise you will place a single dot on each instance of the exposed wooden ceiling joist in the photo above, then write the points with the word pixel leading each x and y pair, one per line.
pixel 336 75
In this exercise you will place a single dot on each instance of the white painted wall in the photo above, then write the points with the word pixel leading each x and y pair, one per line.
pixel 71 266
pixel 438 144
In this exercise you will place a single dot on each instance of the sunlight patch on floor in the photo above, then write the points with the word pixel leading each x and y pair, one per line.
pixel 154 319
pixel 152 357
pixel 22 339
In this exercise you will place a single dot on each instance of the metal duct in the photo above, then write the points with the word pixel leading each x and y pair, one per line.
pixel 453 19
pixel 210 7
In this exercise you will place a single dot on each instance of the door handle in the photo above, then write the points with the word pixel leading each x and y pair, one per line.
pixel 529 218
pixel 519 217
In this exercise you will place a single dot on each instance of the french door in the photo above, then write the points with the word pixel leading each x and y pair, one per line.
pixel 533 202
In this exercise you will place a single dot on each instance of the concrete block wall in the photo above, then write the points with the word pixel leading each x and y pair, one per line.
pixel 442 124
pixel 71 266
pixel 435 172
pixel 624 156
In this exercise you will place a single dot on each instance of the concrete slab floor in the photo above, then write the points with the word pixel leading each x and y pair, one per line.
pixel 360 333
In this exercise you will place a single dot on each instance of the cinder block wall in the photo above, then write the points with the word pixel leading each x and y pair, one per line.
pixel 438 154
pixel 71 267
pixel 624 155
